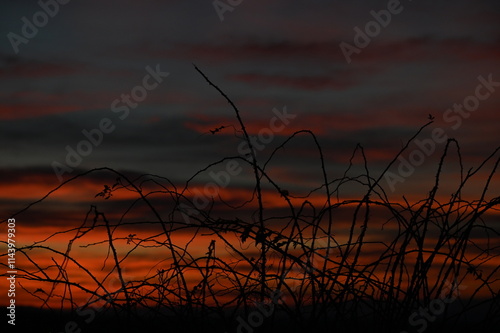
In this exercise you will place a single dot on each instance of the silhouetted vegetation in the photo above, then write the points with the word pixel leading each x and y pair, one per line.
pixel 329 278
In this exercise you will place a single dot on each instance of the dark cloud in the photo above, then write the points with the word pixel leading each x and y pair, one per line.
pixel 64 80
pixel 297 82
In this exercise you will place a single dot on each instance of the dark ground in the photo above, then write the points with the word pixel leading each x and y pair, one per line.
pixel 36 320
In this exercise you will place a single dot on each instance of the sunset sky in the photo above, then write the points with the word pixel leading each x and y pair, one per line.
pixel 267 56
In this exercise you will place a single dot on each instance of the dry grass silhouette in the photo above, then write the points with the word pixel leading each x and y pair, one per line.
pixel 330 279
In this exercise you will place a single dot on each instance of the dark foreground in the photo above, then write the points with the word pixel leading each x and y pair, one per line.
pixel 264 320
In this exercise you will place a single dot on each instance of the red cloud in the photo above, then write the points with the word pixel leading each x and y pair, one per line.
pixel 411 49
pixel 298 82
pixel 20 111
pixel 36 69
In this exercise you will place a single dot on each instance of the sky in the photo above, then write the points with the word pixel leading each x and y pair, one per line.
pixel 329 65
